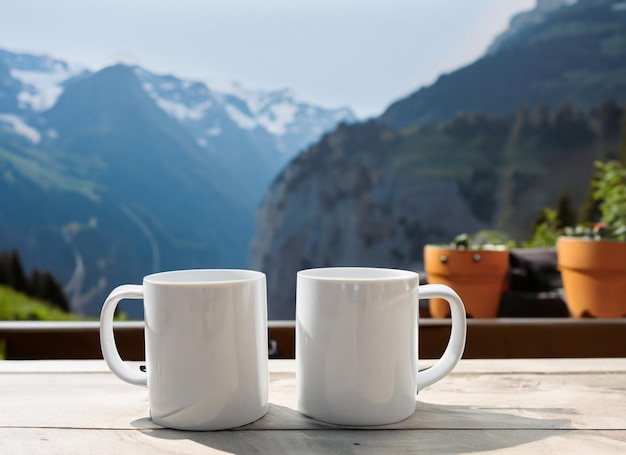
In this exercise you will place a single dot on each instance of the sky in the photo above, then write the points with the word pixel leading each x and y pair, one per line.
pixel 362 54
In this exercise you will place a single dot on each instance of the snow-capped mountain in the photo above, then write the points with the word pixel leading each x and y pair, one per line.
pixel 208 112
pixel 32 84
pixel 139 171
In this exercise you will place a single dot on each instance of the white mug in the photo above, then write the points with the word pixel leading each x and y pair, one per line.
pixel 206 347
pixel 356 344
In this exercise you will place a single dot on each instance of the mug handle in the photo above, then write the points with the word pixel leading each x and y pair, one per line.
pixel 456 344
pixel 107 340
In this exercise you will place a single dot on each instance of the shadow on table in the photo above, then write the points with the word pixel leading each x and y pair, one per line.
pixel 433 428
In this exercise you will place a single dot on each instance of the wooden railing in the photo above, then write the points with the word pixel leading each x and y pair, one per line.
pixel 486 338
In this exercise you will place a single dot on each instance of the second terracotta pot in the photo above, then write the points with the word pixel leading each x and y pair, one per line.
pixel 594 276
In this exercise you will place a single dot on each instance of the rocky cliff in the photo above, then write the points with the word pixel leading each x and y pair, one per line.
pixel 366 195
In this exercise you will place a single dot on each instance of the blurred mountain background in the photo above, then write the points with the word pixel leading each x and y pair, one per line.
pixel 107 176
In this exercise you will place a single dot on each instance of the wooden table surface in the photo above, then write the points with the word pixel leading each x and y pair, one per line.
pixel 531 406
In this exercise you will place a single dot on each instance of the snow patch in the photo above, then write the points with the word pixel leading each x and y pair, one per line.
pixel 20 127
pixel 175 107
pixel 214 131
pixel 41 89
pixel 278 118
pixel 244 121
pixel 167 86
pixel 178 110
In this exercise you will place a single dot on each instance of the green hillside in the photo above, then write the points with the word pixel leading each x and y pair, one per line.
pixel 15 306
pixel 39 169
pixel 508 168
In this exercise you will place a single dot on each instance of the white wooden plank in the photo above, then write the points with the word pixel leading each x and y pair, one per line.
pixel 464 400
pixel 54 440
pixel 550 406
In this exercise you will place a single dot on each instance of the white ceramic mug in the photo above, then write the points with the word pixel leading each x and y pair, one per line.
pixel 206 347
pixel 356 343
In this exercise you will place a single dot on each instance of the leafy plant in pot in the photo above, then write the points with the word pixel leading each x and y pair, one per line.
pixel 475 267
pixel 592 259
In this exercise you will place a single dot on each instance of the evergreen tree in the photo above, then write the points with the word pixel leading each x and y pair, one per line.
pixel 608 117
pixel 590 210
pixel 565 215
pixel 44 286
pixel 12 272
pixel 41 284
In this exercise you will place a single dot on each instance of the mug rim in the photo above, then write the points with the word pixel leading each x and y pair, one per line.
pixel 357 274
pixel 202 277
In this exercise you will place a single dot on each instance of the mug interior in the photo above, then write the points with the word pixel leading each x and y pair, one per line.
pixel 357 274
pixel 203 276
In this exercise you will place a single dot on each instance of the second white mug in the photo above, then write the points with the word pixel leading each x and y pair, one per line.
pixel 357 344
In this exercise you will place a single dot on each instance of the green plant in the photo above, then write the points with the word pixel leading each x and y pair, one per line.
pixel 482 240
pixel 608 195
pixel 609 191
pixel 547 230
pixel 550 224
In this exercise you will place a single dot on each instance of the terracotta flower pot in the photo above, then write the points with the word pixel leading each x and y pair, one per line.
pixel 594 276
pixel 478 276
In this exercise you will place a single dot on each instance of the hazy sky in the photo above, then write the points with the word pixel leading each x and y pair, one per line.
pixel 363 54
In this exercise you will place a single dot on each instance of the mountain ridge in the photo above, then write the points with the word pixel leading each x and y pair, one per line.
pixel 104 180
pixel 577 54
